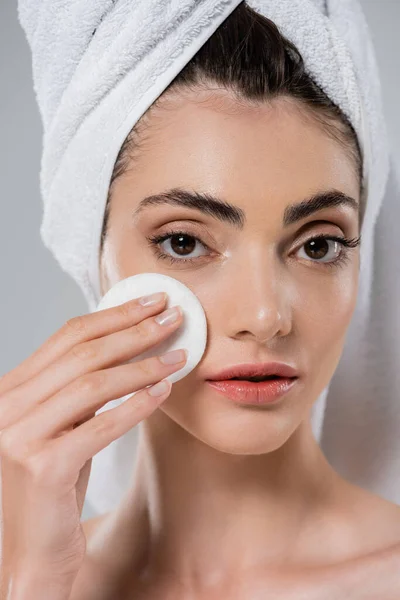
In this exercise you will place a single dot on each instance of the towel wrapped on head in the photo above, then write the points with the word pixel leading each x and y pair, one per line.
pixel 98 66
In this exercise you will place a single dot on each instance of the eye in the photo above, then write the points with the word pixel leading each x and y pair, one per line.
pixel 180 243
pixel 329 250
pixel 319 249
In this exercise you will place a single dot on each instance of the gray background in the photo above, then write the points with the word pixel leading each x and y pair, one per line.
pixel 37 297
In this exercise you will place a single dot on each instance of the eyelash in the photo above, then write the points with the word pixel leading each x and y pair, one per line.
pixel 341 260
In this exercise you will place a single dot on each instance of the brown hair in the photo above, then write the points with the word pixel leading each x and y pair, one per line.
pixel 248 56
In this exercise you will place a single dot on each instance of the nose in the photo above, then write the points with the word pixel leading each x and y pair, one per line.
pixel 260 305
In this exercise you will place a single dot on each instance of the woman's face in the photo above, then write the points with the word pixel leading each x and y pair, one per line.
pixel 267 293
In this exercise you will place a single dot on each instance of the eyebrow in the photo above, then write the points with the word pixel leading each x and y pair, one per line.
pixel 219 209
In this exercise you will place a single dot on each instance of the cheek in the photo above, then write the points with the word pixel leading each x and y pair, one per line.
pixel 325 308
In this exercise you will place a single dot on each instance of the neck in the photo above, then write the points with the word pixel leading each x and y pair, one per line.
pixel 206 515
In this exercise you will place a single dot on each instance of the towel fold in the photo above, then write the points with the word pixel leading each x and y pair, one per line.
pixel 98 66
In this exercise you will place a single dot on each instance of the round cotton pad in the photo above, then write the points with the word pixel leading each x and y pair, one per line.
pixel 192 333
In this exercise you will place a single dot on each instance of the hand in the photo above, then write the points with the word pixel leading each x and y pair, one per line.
pixel 49 432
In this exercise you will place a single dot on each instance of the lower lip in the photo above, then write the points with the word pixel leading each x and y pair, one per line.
pixel 252 392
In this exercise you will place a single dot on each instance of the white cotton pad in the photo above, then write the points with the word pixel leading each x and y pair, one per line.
pixel 190 335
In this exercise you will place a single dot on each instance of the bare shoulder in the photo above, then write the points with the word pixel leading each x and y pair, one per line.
pixel 362 558
pixel 367 565
pixel 375 575
pixel 375 571
pixel 379 521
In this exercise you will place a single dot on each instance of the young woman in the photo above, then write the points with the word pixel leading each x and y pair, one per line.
pixel 243 181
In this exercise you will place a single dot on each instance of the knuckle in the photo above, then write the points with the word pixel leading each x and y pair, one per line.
pixel 4 412
pixel 103 424
pixel 12 448
pixel 39 466
pixel 88 383
pixel 147 367
pixel 126 310
pixel 139 400
pixel 83 351
pixel 6 443
pixel 76 327
pixel 141 329
pixel 44 468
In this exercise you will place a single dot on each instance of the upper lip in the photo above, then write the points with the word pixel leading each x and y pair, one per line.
pixel 255 370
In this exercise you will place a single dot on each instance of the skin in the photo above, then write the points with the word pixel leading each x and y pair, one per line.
pixel 226 498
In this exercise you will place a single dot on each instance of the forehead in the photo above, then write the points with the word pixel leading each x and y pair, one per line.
pixel 212 140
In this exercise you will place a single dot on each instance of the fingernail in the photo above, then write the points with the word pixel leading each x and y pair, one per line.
pixel 173 357
pixel 152 299
pixel 168 316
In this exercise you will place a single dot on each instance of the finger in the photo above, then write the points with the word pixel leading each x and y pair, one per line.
pixel 84 395
pixel 81 359
pixel 58 463
pixel 92 356
pixel 76 330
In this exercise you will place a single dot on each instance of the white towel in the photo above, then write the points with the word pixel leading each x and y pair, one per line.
pixel 92 89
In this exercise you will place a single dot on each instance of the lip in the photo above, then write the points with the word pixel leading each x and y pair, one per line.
pixel 254 370
pixel 256 393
